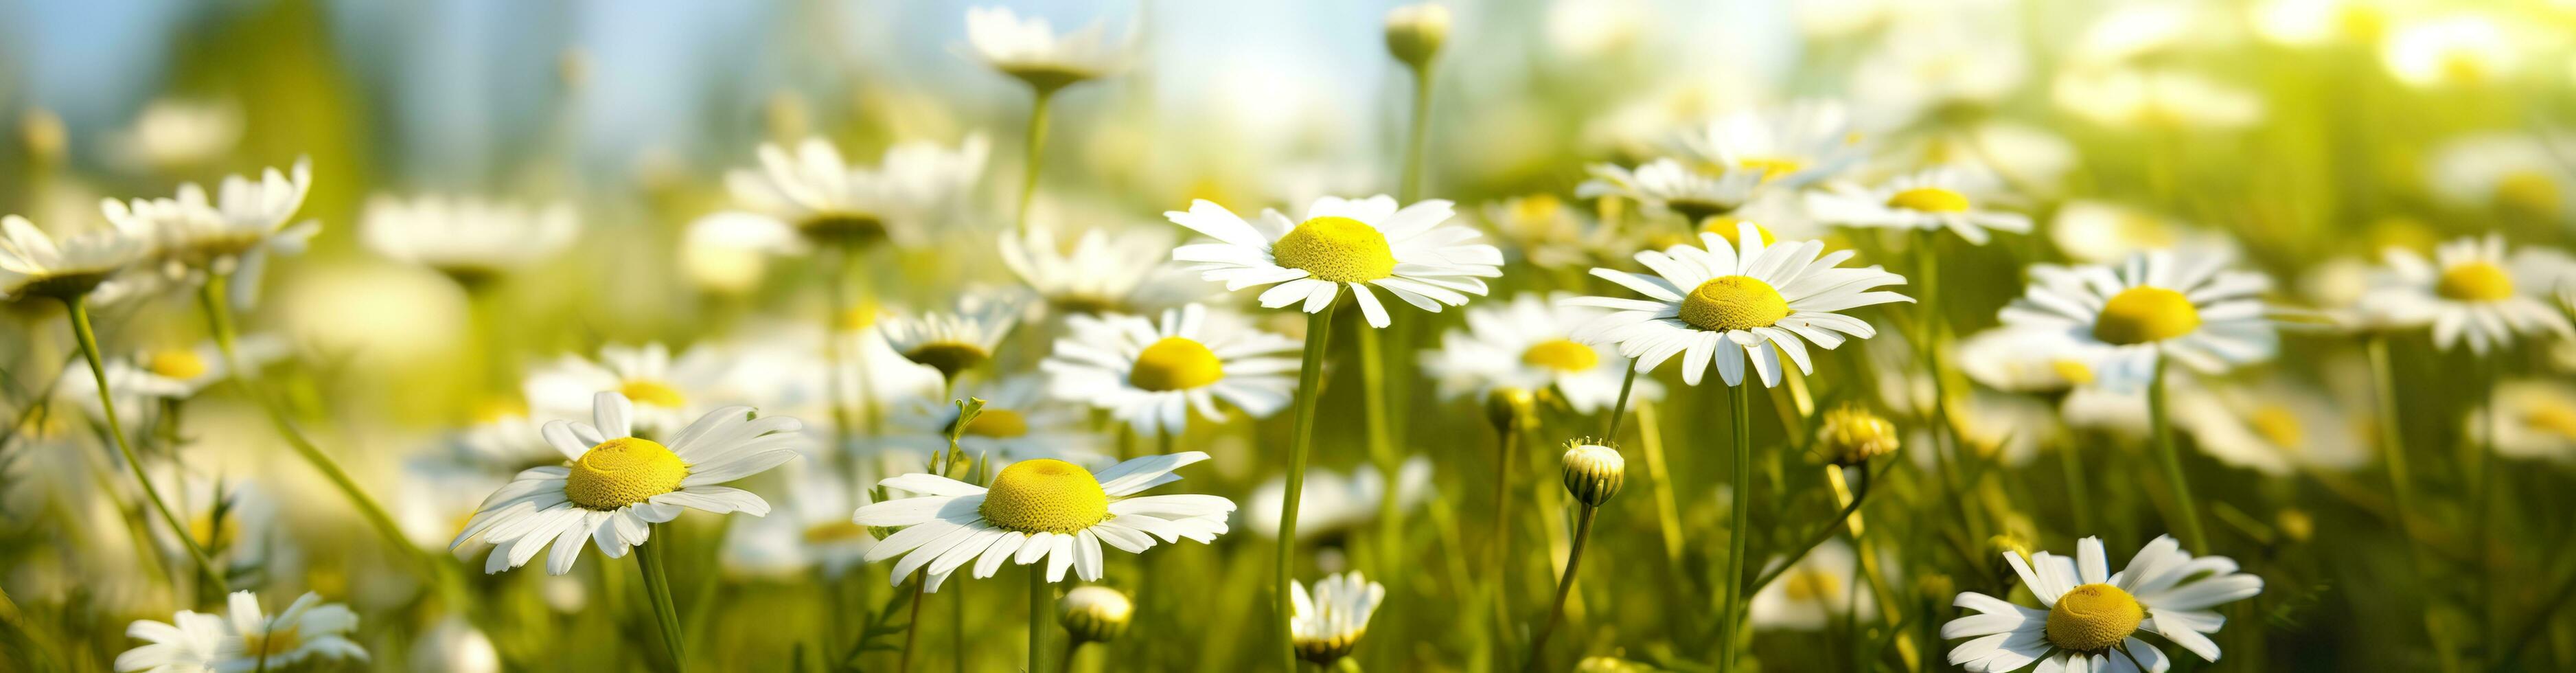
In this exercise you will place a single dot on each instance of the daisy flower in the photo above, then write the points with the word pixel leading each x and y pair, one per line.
pixel 2090 617
pixel 1042 509
pixel 180 373
pixel 2101 232
pixel 1029 49
pixel 1329 621
pixel 466 237
pixel 1411 253
pixel 1150 374
pixel 171 134
pixel 1947 197
pixel 234 233
pixel 953 342
pixel 2462 50
pixel 1019 421
pixel 1415 32
pixel 2471 291
pixel 2273 427
pixel 2535 419
pixel 1526 344
pixel 614 485
pixel 1927 65
pixel 1793 145
pixel 2119 322
pixel 2021 361
pixel 190 642
pixel 1333 503
pixel 1729 303
pixel 308 628
pixel 2519 172
pixel 1811 592
pixel 664 389
pixel 2156 98
pixel 1548 233
pixel 1666 185
pixel 814 197
pixel 1105 271
pixel 33 264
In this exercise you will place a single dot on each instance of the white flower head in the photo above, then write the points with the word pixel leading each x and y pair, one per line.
pixel 1413 253
pixel 2462 50
pixel 2518 172
pixel 1792 145
pixel 1955 198
pixel 2534 419
pixel 306 629
pixel 1733 302
pixel 33 264
pixel 1333 503
pixel 2275 427
pixel 2120 321
pixel 191 642
pixel 467 237
pixel 1327 623
pixel 954 342
pixel 2090 617
pixel 1039 510
pixel 812 196
pixel 666 391
pixel 2156 98
pixel 1527 344
pixel 1669 186
pixel 1150 374
pixel 172 133
pixel 1020 421
pixel 1028 48
pixel 1105 271
pixel 1811 592
pixel 2471 291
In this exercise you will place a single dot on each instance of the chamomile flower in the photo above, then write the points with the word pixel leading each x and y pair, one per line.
pixel 1150 374
pixel 2273 427
pixel 2462 50
pixel 1547 232
pixel 1329 621
pixel 191 642
pixel 1039 510
pixel 825 201
pixel 615 485
pixel 2305 23
pixel 2535 419
pixel 2472 291
pixel 171 134
pixel 466 237
pixel 1030 50
pixel 1731 302
pixel 2022 361
pixel 2119 322
pixel 1951 197
pixel 1020 421
pixel 1811 592
pixel 234 233
pixel 2516 172
pixel 1333 503
pixel 1526 344
pixel 1411 253
pixel 1105 271
pixel 1793 145
pixel 33 264
pixel 2101 232
pixel 953 342
pixel 179 373
pixel 306 629
pixel 664 390
pixel 2090 617
pixel 1667 185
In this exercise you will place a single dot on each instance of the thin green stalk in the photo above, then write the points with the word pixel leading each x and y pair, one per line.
pixel 2492 612
pixel 79 309
pixel 1564 587
pixel 2078 501
pixel 1738 529
pixel 1928 351
pixel 836 286
pixel 1310 379
pixel 1610 430
pixel 912 624
pixel 1499 540
pixel 1041 598
pixel 1037 153
pixel 657 586
pixel 1417 137
pixel 2187 510
pixel 1390 525
pixel 1865 548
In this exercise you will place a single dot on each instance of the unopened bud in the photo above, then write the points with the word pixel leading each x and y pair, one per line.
pixel 1851 436
pixel 1094 613
pixel 1414 33
pixel 1508 408
pixel 1593 472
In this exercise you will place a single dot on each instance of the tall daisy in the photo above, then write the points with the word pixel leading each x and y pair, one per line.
pixel 1030 50
pixel 35 265
pixel 2472 291
pixel 1955 198
pixel 1039 510
pixel 828 202
pixel 1020 420
pixel 1150 374
pixel 1793 145
pixel 2521 173
pixel 191 642
pixel 229 236
pixel 469 238
pixel 2119 322
pixel 1330 620
pixel 2090 617
pixel 1412 253
pixel 1666 185
pixel 615 486
pixel 2274 427
pixel 1125 271
pixel 665 390
pixel 2533 419
pixel 1745 301
pixel 953 342
pixel 1527 344
pixel 306 629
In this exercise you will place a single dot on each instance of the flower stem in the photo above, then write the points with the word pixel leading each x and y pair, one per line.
pixel 1738 529
pixel 1041 597
pixel 1037 153
pixel 1863 547
pixel 2187 511
pixel 1310 380
pixel 657 586
pixel 1416 139
pixel 1564 587
pixel 1499 541
pixel 912 625
pixel 79 309
pixel 1381 450
pixel 1610 433
pixel 836 355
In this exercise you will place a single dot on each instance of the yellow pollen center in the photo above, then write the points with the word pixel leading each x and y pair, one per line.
pixel 178 364
pixel 1561 355
pixel 2554 418
pixel 2093 617
pixel 1733 303
pixel 856 318
pixel 1809 586
pixel 1338 249
pixel 1724 227
pixel 623 471
pixel 2145 314
pixel 1045 495
pixel 1929 200
pixel 2474 281
pixel 2528 191
pixel 2074 371
pixel 1772 168
pixel 998 424
pixel 1536 207
pixel 2278 426
pixel 276 642
pixel 654 393
pixel 1175 363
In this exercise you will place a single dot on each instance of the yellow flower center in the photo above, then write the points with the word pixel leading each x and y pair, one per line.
pixel 998 424
pixel 212 534
pixel 1724 227
pixel 2074 371
pixel 2145 314
pixel 623 471
pixel 2555 418
pixel 1806 586
pixel 856 318
pixel 1772 167
pixel 1175 363
pixel 2474 281
pixel 278 641
pixel 1561 355
pixel 949 357
pixel 1536 207
pixel 497 408
pixel 2528 191
pixel 1045 495
pixel 178 364
pixel 2278 426
pixel 2093 617
pixel 654 393
pixel 1338 249
pixel 1929 200
pixel 1732 303
pixel 2464 67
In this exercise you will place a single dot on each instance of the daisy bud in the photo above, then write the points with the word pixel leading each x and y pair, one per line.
pixel 1094 613
pixel 1593 472
pixel 1851 436
pixel 1507 407
pixel 1414 33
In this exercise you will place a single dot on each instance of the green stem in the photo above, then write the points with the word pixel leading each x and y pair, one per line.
pixel 2186 510
pixel 2401 486
pixel 1564 587
pixel 1418 137
pixel 1390 526
pixel 1037 153
pixel 1610 433
pixel 1041 597
pixel 1310 380
pixel 836 356
pixel 79 309
pixel 1738 530
pixel 657 586
pixel 2070 457
pixel 1928 350
pixel 912 625
pixel 1499 541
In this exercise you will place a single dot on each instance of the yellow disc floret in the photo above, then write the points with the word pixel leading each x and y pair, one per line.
pixel 655 393
pixel 1807 585
pixel 1734 302
pixel 1338 249
pixel 1175 363
pixel 1772 168
pixel 2532 192
pixel 1929 200
pixel 1561 355
pixel 2145 314
pixel 2278 425
pixel 623 471
pixel 2474 281
pixel 178 364
pixel 2093 617
pixel 1045 495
